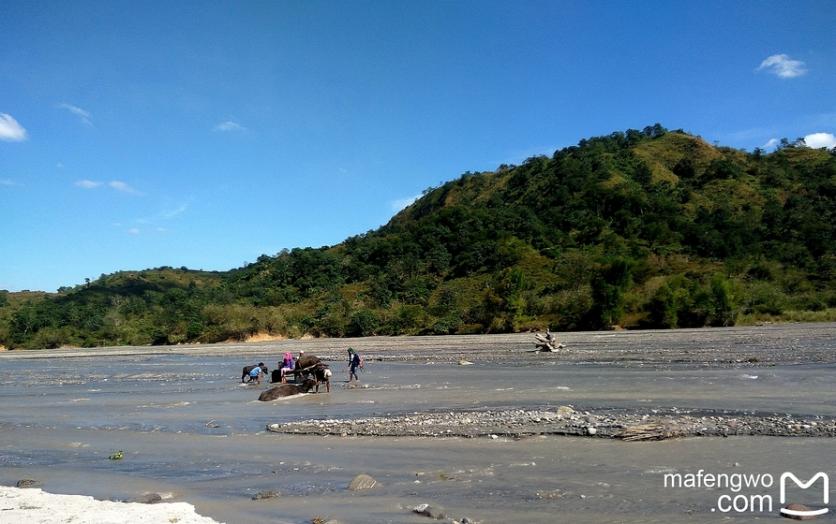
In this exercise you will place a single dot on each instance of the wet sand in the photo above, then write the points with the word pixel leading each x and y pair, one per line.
pixel 187 427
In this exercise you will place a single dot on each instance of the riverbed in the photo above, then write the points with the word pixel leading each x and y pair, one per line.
pixel 189 430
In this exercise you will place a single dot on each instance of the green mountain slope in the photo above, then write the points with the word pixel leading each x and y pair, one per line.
pixel 640 229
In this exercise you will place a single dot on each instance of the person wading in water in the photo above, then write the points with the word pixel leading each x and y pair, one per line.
pixel 354 362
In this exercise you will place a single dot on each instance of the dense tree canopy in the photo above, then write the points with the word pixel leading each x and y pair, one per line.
pixel 637 229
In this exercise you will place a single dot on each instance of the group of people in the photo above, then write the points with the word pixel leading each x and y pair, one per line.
pixel 305 366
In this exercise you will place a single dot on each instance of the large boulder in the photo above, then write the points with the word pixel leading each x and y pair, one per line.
pixel 362 482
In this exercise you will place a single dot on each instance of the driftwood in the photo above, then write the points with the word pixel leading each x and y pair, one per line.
pixel 548 343
pixel 650 432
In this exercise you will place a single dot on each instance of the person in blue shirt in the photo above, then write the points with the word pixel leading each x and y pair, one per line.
pixel 256 372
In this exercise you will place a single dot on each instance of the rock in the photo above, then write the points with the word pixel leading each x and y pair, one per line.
pixel 493 437
pixel 148 498
pixel 565 411
pixel 361 482
pixel 267 494
pixel 591 430
pixel 797 507
pixel 428 510
pixel 29 483
pixel 465 363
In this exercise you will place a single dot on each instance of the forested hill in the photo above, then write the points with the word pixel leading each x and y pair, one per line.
pixel 638 229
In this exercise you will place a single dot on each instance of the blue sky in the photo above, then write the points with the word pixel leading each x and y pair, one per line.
pixel 141 134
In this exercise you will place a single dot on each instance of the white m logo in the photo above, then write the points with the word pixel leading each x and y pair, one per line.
pixel 805 485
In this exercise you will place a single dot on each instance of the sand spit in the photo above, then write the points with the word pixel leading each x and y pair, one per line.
pixel 703 347
pixel 563 420
pixel 34 506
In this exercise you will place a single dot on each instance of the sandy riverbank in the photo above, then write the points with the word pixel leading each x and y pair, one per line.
pixel 35 506
pixel 704 347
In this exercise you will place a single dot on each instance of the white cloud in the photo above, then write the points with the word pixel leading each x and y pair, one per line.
pixel 87 184
pixel 783 66
pixel 133 231
pixel 82 114
pixel 10 129
pixel 402 203
pixel 771 143
pixel 123 187
pixel 7 182
pixel 59 165
pixel 820 140
pixel 229 125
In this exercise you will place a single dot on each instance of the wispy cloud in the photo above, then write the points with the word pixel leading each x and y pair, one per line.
pixel 228 126
pixel 820 140
pixel 123 187
pixel 771 143
pixel 171 213
pixel 402 203
pixel 82 114
pixel 783 66
pixel 116 185
pixel 165 214
pixel 11 130
pixel 134 231
pixel 87 184
pixel 7 182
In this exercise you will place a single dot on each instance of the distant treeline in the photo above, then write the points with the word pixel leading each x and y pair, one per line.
pixel 650 228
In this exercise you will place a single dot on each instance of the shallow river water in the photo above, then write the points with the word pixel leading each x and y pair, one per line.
pixel 188 428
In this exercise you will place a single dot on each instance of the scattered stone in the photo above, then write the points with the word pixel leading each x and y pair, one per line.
pixel 117 455
pixel 361 482
pixel 550 495
pixel 565 411
pixel 797 507
pixel 428 510
pixel 465 363
pixel 148 498
pixel 493 437
pixel 267 494
pixel 591 430
pixel 29 483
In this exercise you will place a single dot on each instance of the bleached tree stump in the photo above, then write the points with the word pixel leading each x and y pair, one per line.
pixel 548 343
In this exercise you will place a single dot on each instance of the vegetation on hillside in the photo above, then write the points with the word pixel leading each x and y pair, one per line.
pixel 637 229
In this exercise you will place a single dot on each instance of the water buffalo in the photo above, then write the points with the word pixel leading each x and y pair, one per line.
pixel 286 390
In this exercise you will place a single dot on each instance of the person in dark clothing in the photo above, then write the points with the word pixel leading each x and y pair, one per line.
pixel 354 361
